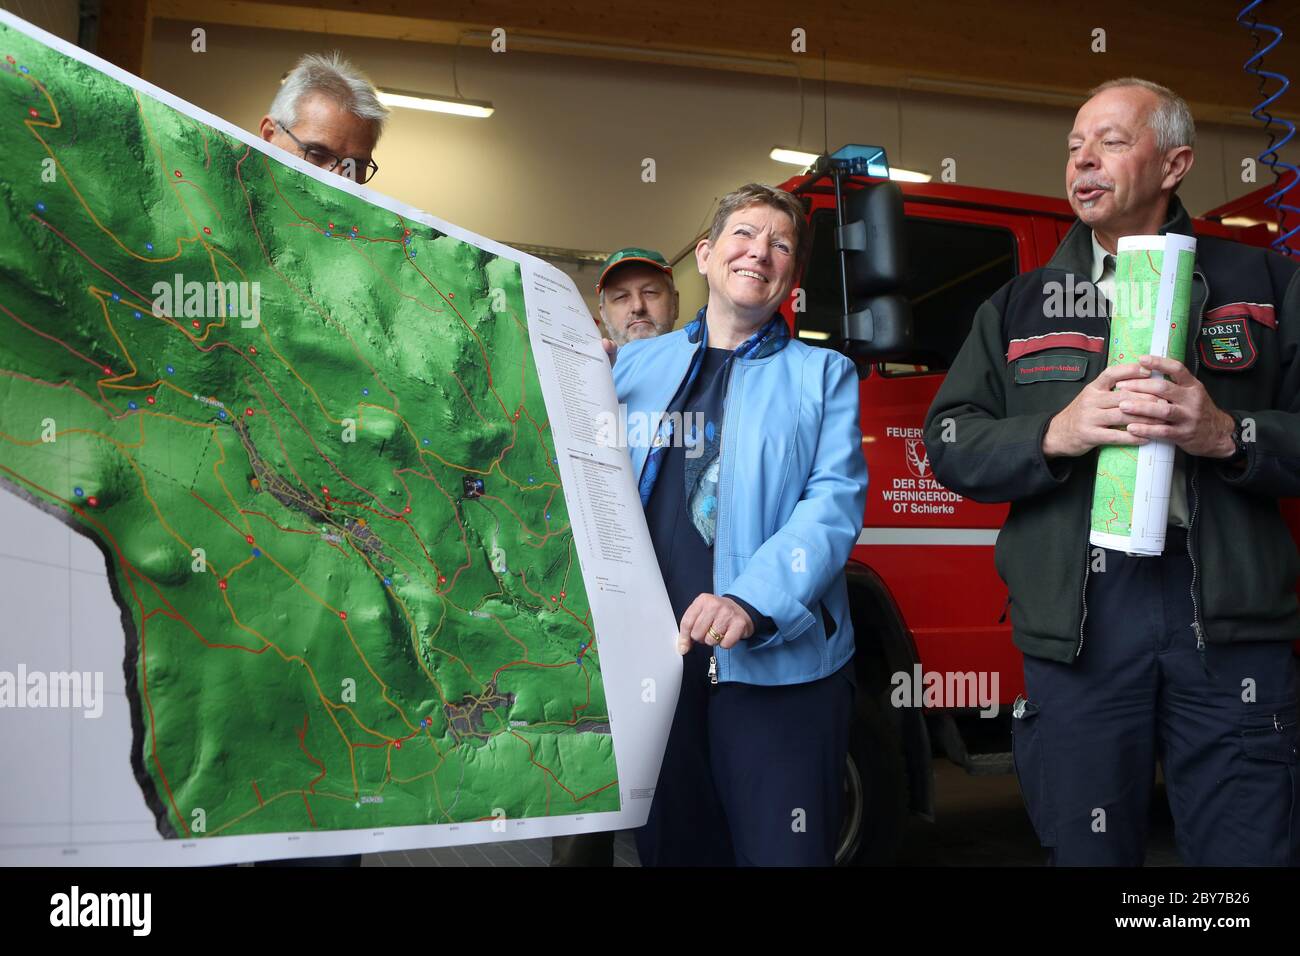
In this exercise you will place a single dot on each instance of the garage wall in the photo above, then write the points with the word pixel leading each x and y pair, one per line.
pixel 561 158
pixel 560 162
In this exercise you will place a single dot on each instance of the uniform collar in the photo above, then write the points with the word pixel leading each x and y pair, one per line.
pixel 1099 256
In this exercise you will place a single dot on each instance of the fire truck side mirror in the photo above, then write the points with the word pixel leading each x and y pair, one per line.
pixel 880 330
pixel 878 319
pixel 872 241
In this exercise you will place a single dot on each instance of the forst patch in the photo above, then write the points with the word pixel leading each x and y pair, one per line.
pixel 1226 343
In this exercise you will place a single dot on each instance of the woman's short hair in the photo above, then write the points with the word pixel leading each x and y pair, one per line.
pixel 756 194
pixel 329 74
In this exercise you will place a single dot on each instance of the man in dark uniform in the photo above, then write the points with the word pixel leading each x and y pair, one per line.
pixel 1186 657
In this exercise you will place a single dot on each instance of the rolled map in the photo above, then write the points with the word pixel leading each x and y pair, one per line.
pixel 1149 316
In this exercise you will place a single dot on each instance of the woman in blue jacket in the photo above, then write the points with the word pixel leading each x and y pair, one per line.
pixel 753 488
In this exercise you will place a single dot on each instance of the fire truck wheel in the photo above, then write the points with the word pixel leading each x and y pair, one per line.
pixel 875 789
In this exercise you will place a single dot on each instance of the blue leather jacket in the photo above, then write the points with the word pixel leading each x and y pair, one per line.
pixel 791 492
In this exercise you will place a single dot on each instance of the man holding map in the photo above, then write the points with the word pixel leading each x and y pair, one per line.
pixel 1174 645
pixel 329 114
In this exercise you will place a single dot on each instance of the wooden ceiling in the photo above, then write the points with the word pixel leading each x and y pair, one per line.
pixel 1035 52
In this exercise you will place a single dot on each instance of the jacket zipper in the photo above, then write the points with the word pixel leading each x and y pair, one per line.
pixel 1194 334
pixel 1087 540
pixel 1087 550
pixel 726 400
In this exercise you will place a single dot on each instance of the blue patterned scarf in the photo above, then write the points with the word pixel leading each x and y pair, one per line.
pixel 702 471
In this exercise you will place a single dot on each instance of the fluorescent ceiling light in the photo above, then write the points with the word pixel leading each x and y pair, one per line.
pixel 436 104
pixel 814 334
pixel 797 157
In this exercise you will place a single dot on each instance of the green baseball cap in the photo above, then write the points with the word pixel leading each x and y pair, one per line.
pixel 634 254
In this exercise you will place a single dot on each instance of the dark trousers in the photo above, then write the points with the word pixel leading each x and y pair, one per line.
pixel 1222 723
pixel 583 849
pixel 752 776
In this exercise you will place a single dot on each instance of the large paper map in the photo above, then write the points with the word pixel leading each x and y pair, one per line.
pixel 305 427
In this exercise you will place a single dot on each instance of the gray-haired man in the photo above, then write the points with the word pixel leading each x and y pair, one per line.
pixel 1183 658
pixel 328 113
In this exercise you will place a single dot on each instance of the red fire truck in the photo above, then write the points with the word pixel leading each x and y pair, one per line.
pixel 934 655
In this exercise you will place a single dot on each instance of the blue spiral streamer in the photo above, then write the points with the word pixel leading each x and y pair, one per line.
pixel 1269 157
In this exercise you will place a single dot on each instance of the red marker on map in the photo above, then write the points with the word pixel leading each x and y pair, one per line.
pixel 248 412
pixel 207 231
pixel 33 113
pixel 343 615
pixel 222 584
pixel 150 399
pixel 92 501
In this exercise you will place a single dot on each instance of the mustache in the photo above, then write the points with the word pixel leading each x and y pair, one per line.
pixel 1087 181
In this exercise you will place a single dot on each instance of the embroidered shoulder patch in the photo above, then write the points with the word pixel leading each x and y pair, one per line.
pixel 1226 342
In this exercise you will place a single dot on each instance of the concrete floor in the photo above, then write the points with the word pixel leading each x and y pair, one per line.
pixel 979 821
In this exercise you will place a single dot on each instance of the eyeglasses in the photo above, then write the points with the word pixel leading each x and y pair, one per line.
pixel 324 159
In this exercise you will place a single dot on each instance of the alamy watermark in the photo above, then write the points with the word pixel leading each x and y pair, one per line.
pixel 637 430
pixel 208 300
pixel 946 690
pixel 68 690
pixel 1086 300
pixel 130 910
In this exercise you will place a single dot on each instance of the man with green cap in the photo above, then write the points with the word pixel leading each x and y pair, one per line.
pixel 637 296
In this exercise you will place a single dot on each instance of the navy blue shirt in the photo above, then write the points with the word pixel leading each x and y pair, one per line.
pixel 685 557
